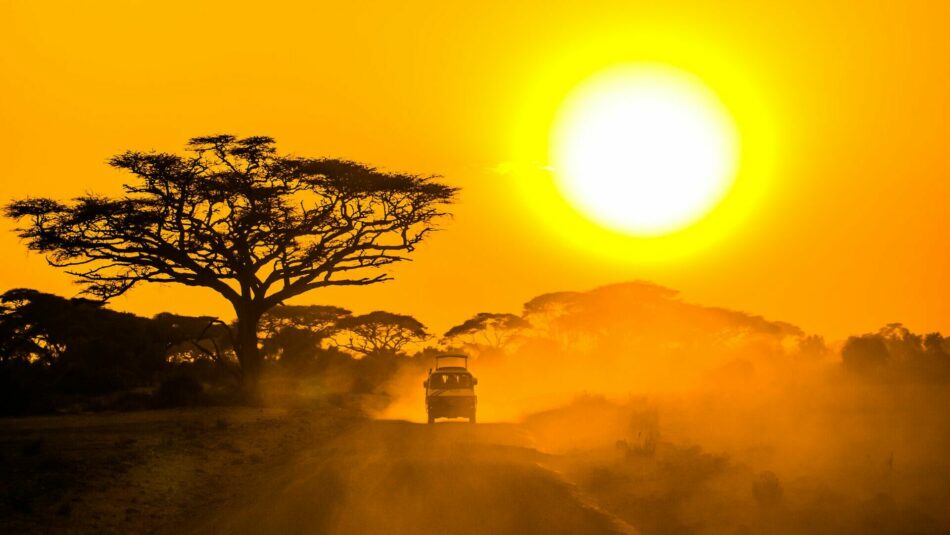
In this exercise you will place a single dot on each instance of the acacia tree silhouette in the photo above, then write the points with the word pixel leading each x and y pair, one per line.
pixel 236 217
pixel 381 332
pixel 496 330
pixel 295 333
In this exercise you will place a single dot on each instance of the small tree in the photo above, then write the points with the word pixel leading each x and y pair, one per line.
pixel 321 320
pixel 488 330
pixel 380 332
pixel 295 333
pixel 194 338
pixel 236 217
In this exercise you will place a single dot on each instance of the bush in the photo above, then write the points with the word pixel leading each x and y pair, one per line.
pixel 180 391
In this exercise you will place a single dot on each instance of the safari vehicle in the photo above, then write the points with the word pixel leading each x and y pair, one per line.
pixel 450 390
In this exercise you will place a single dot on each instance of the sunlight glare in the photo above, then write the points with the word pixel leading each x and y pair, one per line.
pixel 644 149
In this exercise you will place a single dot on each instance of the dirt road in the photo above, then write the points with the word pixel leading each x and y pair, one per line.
pixel 398 477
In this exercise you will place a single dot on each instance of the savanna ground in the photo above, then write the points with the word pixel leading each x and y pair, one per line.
pixel 315 470
pixel 145 471
pixel 304 470
pixel 326 467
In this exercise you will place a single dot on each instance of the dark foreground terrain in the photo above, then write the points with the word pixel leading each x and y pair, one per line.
pixel 590 467
pixel 279 471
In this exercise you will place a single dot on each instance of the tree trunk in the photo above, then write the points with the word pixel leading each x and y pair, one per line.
pixel 248 354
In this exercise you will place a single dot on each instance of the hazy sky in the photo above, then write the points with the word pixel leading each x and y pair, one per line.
pixel 851 234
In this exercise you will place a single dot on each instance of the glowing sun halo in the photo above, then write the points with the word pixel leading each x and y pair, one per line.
pixel 644 149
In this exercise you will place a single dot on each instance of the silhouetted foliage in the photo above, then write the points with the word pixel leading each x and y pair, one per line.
pixel 292 345
pixel 936 344
pixel 93 347
pixel 812 345
pixel 489 330
pixel 294 334
pixel 648 331
pixel 380 332
pixel 321 320
pixel 53 348
pixel 197 338
pixel 896 353
pixel 864 353
pixel 555 303
pixel 236 217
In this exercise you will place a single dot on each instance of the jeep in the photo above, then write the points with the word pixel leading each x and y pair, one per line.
pixel 450 390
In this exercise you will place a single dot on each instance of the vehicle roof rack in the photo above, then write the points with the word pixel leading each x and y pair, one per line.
pixel 462 356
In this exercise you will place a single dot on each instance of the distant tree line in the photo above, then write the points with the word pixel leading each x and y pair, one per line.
pixel 894 353
pixel 54 350
pixel 57 352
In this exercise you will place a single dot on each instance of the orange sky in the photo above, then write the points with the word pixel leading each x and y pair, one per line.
pixel 852 234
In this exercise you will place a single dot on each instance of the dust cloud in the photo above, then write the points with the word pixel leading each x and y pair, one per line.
pixel 681 418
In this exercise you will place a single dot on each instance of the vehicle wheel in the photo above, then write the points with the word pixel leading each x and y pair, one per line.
pixel 471 419
pixel 431 419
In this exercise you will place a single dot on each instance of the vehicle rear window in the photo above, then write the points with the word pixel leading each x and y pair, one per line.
pixel 440 381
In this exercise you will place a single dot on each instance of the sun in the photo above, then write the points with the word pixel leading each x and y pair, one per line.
pixel 644 149
pixel 644 146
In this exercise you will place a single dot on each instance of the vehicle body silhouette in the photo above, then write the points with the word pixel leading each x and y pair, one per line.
pixel 450 390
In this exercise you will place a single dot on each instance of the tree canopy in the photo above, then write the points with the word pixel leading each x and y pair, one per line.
pixel 381 333
pixel 234 216
pixel 492 330
pixel 295 333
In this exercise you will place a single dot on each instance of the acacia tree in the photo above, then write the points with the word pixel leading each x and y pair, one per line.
pixel 193 338
pixel 380 332
pixel 296 332
pixel 321 320
pixel 488 330
pixel 234 216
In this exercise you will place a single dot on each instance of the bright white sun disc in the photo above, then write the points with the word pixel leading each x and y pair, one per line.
pixel 644 149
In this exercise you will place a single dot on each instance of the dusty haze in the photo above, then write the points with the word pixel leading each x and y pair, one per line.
pixel 695 419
